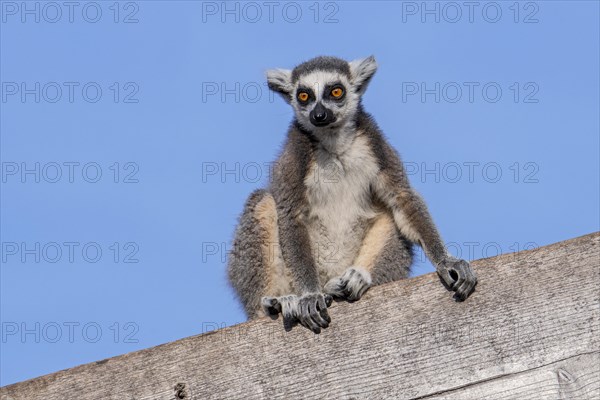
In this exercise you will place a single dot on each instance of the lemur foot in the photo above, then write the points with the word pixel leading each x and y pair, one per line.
pixel 351 285
pixel 286 305
pixel 458 276
pixel 310 309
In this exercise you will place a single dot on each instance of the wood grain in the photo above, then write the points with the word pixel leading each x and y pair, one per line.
pixel 530 331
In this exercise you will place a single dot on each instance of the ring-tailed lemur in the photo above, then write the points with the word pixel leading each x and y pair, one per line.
pixel 339 214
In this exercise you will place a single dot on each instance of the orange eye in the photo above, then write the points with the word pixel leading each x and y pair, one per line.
pixel 337 93
pixel 303 96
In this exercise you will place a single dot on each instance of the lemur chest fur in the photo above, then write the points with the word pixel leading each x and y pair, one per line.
pixel 340 206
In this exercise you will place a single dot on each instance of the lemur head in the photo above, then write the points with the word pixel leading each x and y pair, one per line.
pixel 324 92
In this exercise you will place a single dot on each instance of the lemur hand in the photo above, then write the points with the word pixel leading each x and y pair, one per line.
pixel 310 309
pixel 353 283
pixel 458 277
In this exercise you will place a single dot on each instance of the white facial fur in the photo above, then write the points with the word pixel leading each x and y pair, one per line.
pixel 318 81
pixel 361 71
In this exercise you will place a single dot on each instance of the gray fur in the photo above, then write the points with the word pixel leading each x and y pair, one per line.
pixel 362 71
pixel 279 81
pixel 364 211
pixel 321 63
pixel 246 271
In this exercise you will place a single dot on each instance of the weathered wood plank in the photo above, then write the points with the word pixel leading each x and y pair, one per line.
pixel 576 377
pixel 532 311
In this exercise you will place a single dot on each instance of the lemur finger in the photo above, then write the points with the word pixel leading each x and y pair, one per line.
pixel 322 303
pixel 314 327
pixel 358 285
pixel 462 294
pixel 459 296
pixel 465 273
pixel 459 281
pixel 335 287
pixel 465 290
pixel 289 306
pixel 306 320
pixel 315 315
pixel 328 300
pixel 362 291
pixel 445 275
pixel 347 290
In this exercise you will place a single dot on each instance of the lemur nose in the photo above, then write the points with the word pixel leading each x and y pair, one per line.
pixel 321 116
pixel 320 113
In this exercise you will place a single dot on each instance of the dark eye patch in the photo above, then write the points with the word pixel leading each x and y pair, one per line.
pixel 309 91
pixel 327 93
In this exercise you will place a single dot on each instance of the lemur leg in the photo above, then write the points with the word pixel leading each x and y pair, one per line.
pixel 384 256
pixel 256 267
pixel 257 271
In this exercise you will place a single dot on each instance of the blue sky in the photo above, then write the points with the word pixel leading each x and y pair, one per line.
pixel 132 135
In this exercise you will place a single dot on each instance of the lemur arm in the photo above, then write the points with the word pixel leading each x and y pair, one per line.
pixel 296 251
pixel 289 192
pixel 415 223
pixel 309 307
pixel 412 217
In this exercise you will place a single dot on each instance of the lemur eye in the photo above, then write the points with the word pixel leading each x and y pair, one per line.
pixel 303 96
pixel 337 93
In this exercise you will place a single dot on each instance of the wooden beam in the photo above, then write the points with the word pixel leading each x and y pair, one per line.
pixel 530 331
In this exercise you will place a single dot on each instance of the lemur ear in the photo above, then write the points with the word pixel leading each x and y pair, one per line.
pixel 362 71
pixel 280 81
